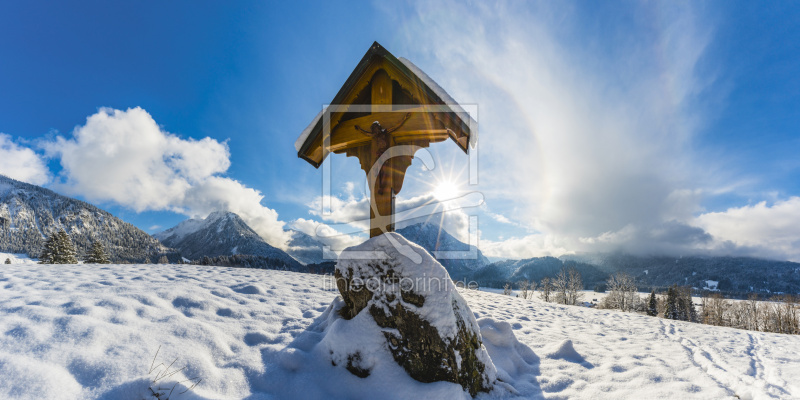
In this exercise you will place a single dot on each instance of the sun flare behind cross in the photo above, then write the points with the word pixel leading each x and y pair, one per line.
pixel 446 190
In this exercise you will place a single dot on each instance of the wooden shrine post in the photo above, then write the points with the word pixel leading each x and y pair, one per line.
pixel 387 109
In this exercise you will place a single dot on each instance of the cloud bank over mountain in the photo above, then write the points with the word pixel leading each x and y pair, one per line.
pixel 597 118
pixel 126 158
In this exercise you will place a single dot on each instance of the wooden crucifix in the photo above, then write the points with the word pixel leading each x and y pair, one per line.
pixel 386 110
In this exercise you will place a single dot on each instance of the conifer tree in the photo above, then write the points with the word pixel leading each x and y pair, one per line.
pixel 97 255
pixel 680 309
pixel 65 250
pixel 688 312
pixel 49 250
pixel 8 260
pixel 671 310
pixel 652 304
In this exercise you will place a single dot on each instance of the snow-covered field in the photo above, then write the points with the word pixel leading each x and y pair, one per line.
pixel 92 331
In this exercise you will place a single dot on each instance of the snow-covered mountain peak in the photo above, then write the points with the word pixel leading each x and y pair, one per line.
pixel 221 233
pixel 181 230
pixel 217 216
pixel 461 259
pixel 192 225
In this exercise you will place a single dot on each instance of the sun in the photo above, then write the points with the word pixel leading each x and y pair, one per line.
pixel 446 190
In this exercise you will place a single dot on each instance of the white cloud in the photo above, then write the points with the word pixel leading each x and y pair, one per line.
pixel 351 211
pixel 536 245
pixel 767 230
pixel 589 140
pixel 337 241
pixel 126 158
pixel 670 237
pixel 218 193
pixel 21 163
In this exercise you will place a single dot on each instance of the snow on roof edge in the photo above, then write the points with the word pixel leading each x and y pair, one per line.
pixel 298 144
pixel 460 112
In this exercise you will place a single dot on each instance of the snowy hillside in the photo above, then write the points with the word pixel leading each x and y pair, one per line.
pixel 534 269
pixel 16 258
pixel 29 213
pixel 220 234
pixel 737 276
pixel 77 332
pixel 734 275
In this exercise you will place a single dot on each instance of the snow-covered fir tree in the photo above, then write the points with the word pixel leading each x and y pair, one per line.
pixel 671 309
pixel 97 255
pixel 65 250
pixel 652 304
pixel 688 312
pixel 49 249
pixel 8 260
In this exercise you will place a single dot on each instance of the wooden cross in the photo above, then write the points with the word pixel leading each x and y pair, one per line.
pixel 387 109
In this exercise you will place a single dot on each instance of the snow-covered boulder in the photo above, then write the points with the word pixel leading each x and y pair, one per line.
pixel 427 326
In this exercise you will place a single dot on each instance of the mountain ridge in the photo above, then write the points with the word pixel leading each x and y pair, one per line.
pixel 434 238
pixel 221 233
pixel 29 213
pixel 736 276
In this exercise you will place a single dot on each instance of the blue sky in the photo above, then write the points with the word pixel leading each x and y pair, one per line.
pixel 646 127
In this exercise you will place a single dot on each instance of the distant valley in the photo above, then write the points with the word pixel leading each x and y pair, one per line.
pixel 28 213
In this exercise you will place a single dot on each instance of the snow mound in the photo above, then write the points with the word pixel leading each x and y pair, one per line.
pixel 415 267
pixel 565 351
pixel 517 365
pixel 247 289
pixel 318 364
pixel 424 322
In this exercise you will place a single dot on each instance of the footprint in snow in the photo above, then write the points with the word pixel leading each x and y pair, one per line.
pixel 225 312
pixel 255 338
pixel 185 302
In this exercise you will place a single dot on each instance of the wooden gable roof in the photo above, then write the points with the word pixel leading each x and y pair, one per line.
pixel 414 88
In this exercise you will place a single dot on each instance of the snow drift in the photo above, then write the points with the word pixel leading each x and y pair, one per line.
pixel 85 332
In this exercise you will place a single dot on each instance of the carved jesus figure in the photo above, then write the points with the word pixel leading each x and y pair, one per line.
pixel 382 138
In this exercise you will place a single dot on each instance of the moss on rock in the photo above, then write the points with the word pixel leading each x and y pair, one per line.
pixel 446 347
